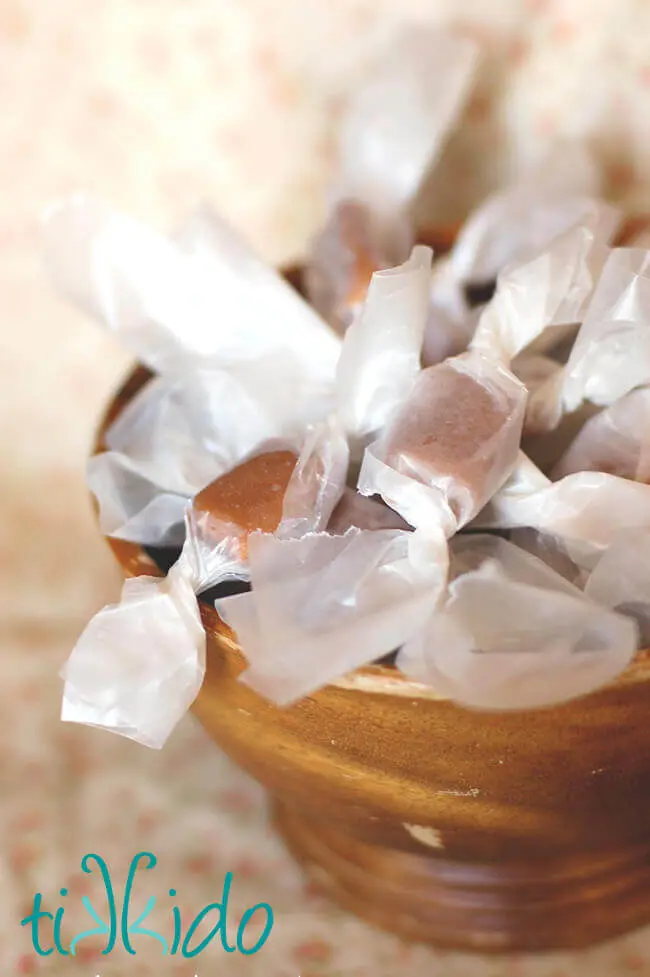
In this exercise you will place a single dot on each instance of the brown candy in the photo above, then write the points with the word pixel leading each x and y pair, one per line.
pixel 250 496
pixel 345 256
pixel 458 432
pixel 363 513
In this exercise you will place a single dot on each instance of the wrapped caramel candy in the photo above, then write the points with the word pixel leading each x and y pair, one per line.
pixel 344 257
pixel 456 438
pixel 513 634
pixel 585 511
pixel 511 227
pixel 180 305
pixel 180 433
pixel 380 356
pixel 611 354
pixel 393 130
pixel 139 664
pixel 325 604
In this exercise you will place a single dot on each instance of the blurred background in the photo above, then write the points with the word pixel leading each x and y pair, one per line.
pixel 155 105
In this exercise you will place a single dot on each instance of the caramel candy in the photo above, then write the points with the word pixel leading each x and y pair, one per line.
pixel 363 513
pixel 250 497
pixel 345 256
pixel 459 431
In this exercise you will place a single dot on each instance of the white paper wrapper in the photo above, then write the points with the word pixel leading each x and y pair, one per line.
pixel 549 550
pixel 132 504
pixel 392 132
pixel 543 378
pixel 451 322
pixel 617 440
pixel 512 227
pixel 621 580
pixel 317 482
pixel 520 221
pixel 513 634
pixel 355 510
pixel 380 358
pixel 611 354
pixel 353 245
pixel 586 510
pixel 537 299
pixel 178 305
pixel 324 605
pixel 139 664
pixel 397 121
pixel 453 442
pixel 182 432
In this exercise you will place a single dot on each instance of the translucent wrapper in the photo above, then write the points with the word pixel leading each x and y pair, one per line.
pixel 139 664
pixel 621 580
pixel 538 299
pixel 518 222
pixel 543 378
pixel 611 354
pixel 586 511
pixel 549 550
pixel 353 245
pixel 617 441
pixel 324 605
pixel 396 122
pixel 177 305
pixel 451 322
pixel 133 504
pixel 454 439
pixel 392 132
pixel 355 510
pixel 380 358
pixel 450 446
pixel 182 432
pixel 513 226
pixel 317 482
pixel 513 634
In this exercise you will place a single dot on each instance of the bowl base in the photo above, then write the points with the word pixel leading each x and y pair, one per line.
pixel 487 908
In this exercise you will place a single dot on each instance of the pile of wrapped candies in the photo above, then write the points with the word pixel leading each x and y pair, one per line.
pixel 445 459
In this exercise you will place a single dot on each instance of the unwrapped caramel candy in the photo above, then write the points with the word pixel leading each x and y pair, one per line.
pixel 249 498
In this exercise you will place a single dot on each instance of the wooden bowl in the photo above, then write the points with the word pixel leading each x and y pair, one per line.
pixel 490 832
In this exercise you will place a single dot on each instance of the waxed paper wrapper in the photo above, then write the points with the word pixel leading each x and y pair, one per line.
pixel 242 360
pixel 179 304
pixel 513 634
pixel 392 132
pixel 513 226
pixel 611 353
pixel 139 664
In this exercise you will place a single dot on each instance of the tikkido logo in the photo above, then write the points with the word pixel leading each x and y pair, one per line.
pixel 186 945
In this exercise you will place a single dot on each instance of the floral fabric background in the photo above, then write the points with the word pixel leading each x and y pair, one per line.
pixel 156 104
